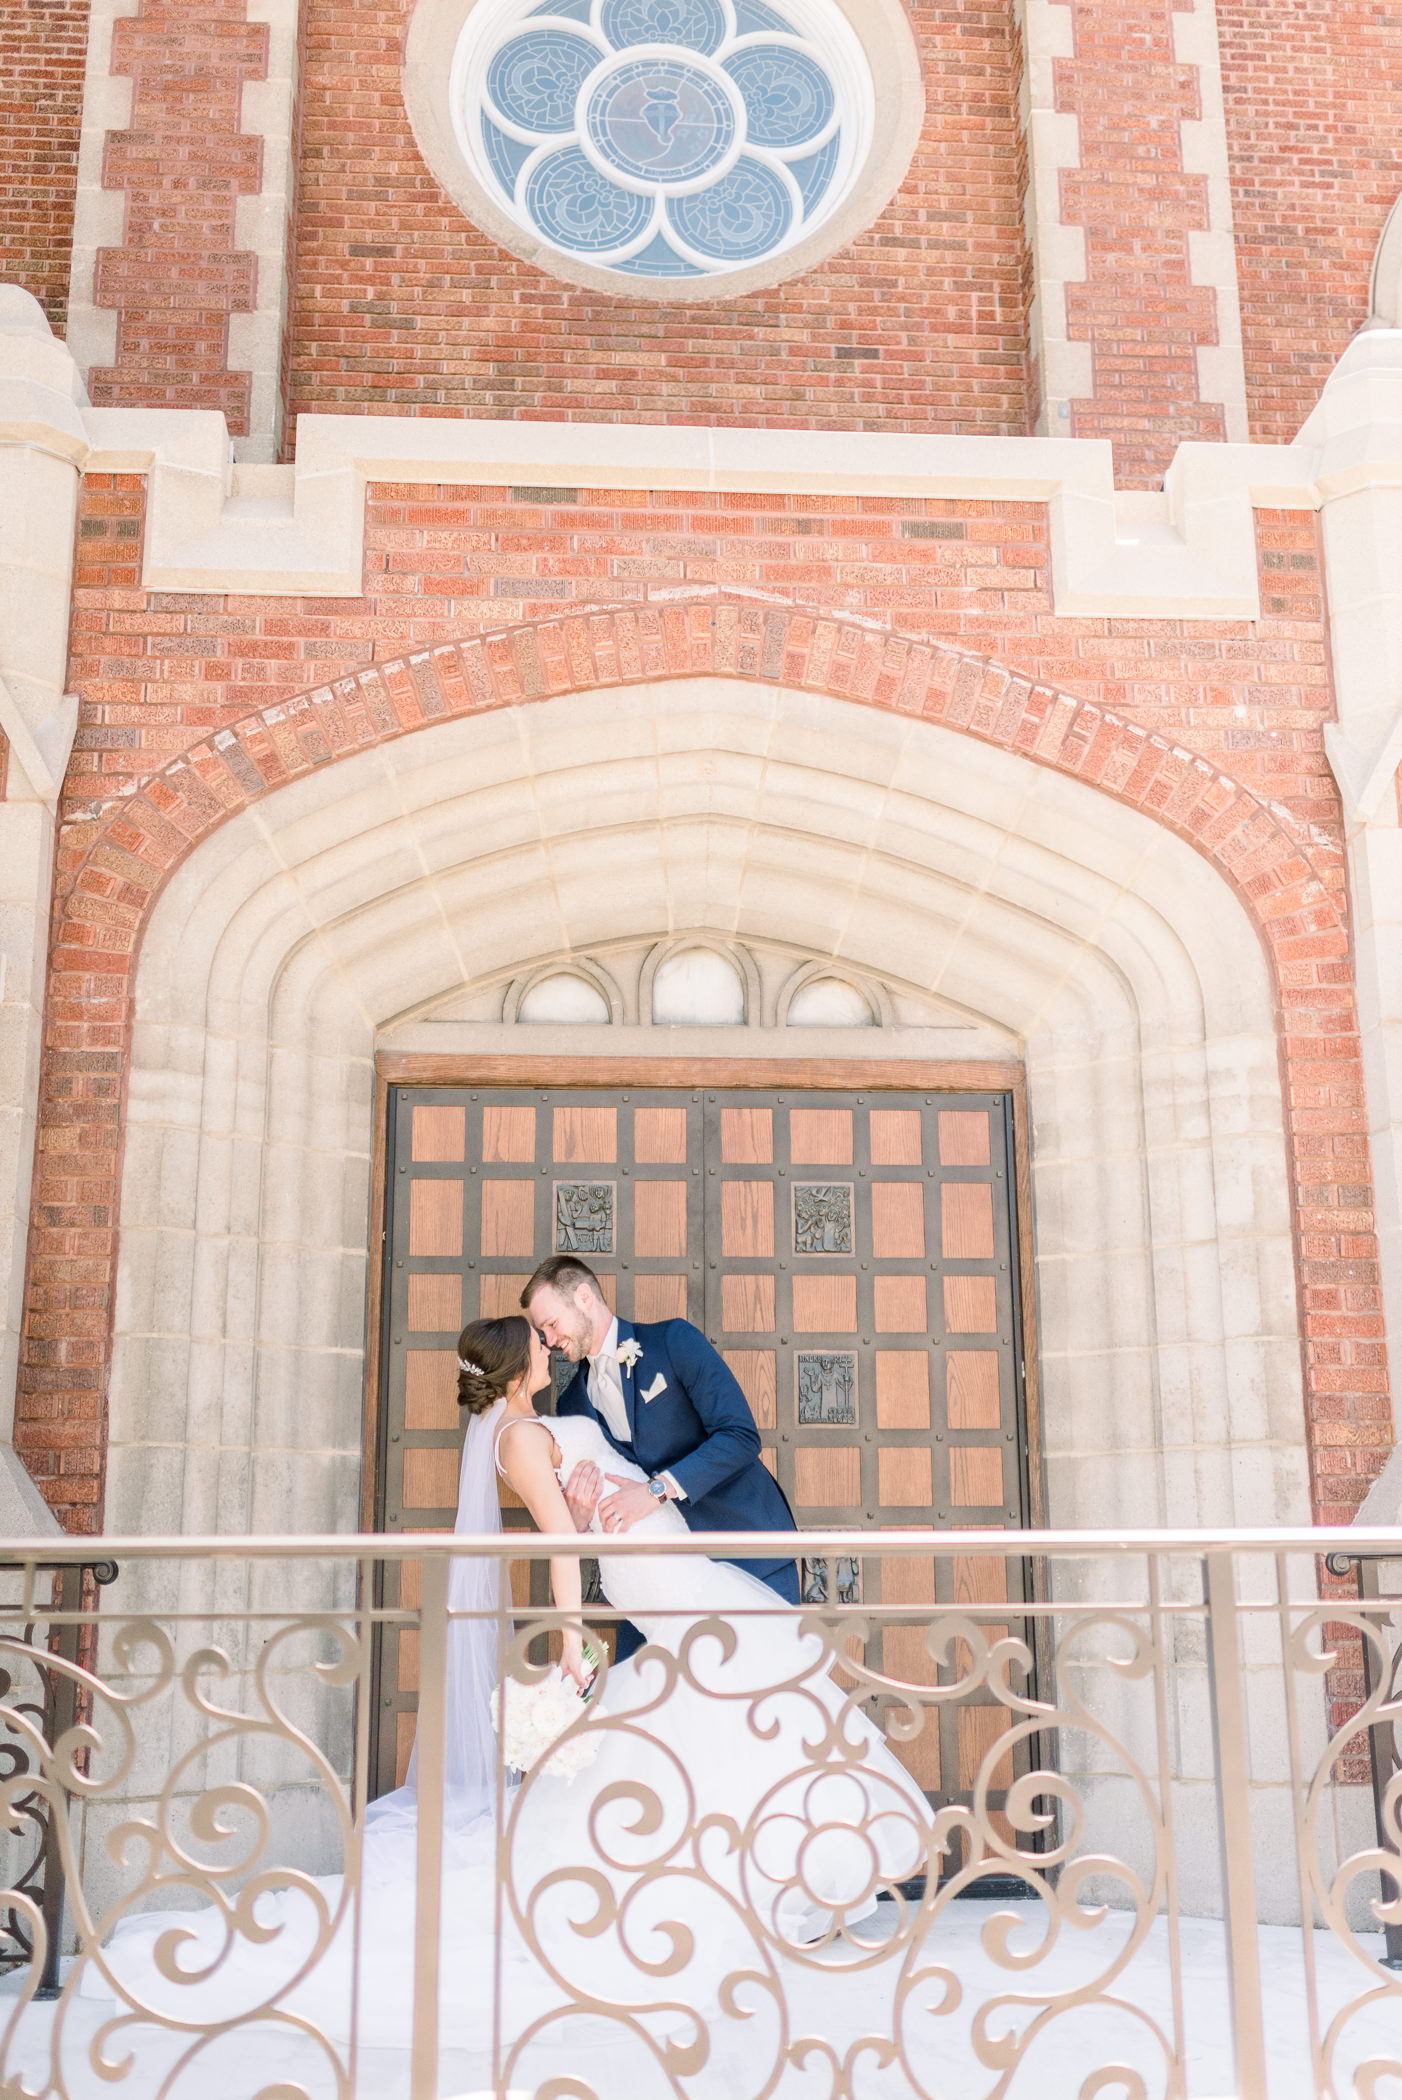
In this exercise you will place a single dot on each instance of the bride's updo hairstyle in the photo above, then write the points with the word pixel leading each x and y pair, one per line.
pixel 492 1354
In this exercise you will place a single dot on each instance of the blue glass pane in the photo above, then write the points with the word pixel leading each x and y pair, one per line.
pixel 659 259
pixel 814 174
pixel 504 154
pixel 578 208
pixel 788 96
pixel 750 17
pixel 698 25
pixel 575 10
pixel 660 119
pixel 738 219
pixel 535 79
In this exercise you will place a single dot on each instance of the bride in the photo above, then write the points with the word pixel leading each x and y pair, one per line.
pixel 640 1918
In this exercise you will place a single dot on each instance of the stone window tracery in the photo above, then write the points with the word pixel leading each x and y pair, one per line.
pixel 664 139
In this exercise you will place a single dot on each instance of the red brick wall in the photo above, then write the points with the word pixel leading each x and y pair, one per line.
pixel 43 48
pixel 402 304
pixel 1136 306
pixel 183 164
pixel 1314 117
pixel 160 672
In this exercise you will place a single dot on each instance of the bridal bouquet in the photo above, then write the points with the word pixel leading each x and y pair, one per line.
pixel 536 1716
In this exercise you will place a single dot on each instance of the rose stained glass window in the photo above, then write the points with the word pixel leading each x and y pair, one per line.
pixel 663 138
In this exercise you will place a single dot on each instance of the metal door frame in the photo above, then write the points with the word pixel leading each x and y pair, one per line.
pixel 762 1075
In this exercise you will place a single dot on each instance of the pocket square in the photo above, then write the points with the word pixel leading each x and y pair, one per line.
pixel 659 1385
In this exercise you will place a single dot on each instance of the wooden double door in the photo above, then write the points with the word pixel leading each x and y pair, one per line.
pixel 852 1255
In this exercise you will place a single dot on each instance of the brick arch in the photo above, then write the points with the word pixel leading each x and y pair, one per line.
pixel 1291 888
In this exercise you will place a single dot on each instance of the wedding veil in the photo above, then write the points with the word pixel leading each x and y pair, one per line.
pixel 474 1586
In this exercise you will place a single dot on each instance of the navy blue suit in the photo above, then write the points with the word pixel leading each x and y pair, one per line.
pixel 698 1428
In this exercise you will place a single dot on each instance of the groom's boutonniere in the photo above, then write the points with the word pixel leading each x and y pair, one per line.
pixel 629 1352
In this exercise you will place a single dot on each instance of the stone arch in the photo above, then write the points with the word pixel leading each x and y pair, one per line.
pixel 113 899
pixel 1385 285
pixel 1137 988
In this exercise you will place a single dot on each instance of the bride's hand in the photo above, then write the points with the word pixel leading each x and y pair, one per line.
pixel 572 1663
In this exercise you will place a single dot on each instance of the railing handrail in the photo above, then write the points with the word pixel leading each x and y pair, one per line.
pixel 1384 1540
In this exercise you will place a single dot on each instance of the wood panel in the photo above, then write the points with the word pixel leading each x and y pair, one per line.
pixel 902 1389
pixel 500 1294
pixel 820 1137
pixel 976 1476
pixel 659 1220
pixel 435 1304
pixel 900 1304
pixel 408 1674
pixel 747 1303
pixel 430 1389
pixel 966 1215
pixel 896 1138
pixel 827 1476
pixel 898 1220
pixel 981 1728
pixel 438 1133
pixel 747 1136
pixel 508 1217
pixel 965 1138
pixel 659 1297
pixel 979 1579
pixel 905 1476
pixel 435 1217
pixel 747 1219
pixel 755 1373
pixel 430 1478
pixel 973 1401
pixel 586 1135
pixel 659 1137
pixel 971 1304
pixel 508 1133
pixel 825 1304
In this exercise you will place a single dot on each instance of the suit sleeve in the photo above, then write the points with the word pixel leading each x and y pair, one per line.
pixel 732 1441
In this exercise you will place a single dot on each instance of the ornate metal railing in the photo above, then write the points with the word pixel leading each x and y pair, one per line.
pixel 1155 1877
pixel 38 1681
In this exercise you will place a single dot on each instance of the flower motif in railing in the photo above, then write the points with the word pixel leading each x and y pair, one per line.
pixel 662 138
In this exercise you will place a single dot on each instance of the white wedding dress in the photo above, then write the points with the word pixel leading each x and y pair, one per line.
pixel 739 1813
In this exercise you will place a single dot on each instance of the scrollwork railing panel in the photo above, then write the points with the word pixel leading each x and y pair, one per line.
pixel 742 1890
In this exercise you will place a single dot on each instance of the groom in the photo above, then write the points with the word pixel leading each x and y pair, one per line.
pixel 665 1399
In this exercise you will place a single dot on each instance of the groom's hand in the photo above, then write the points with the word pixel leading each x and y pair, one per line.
pixel 582 1491
pixel 633 1501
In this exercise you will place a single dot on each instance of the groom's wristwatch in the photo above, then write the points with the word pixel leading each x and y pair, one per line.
pixel 657 1486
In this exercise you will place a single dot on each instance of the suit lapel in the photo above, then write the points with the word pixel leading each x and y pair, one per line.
pixel 630 1383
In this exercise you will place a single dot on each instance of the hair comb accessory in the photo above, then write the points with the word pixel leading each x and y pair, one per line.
pixel 472 1370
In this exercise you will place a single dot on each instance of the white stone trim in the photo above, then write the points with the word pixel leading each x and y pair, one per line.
pixel 581 966
pixel 1189 552
pixel 1212 252
pixel 1065 370
pixel 99 215
pixel 1356 430
pixel 42 446
pixel 878 999
pixel 263 224
pixel 1385 285
pixel 732 952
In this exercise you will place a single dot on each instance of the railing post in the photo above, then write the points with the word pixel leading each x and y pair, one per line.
pixel 1234 1817
pixel 429 1744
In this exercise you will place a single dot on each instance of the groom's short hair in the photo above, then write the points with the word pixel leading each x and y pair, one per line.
pixel 563 1273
